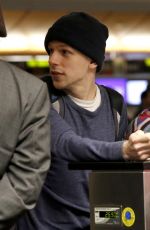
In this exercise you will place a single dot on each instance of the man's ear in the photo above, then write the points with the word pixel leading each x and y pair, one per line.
pixel 93 64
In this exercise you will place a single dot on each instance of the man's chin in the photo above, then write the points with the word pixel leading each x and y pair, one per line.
pixel 58 86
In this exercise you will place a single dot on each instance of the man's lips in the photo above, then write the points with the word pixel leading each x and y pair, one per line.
pixel 56 73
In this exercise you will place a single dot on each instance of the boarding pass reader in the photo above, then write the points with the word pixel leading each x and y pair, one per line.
pixel 119 194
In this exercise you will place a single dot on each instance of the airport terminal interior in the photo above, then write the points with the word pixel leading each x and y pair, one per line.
pixel 127 61
pixel 119 191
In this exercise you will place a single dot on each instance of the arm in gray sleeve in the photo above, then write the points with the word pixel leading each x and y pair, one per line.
pixel 21 183
pixel 70 146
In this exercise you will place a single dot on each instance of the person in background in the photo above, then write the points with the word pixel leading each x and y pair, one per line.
pixel 24 140
pixel 85 131
pixel 145 101
pixel 140 122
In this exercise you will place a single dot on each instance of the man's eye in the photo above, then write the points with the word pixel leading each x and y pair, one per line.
pixel 65 52
pixel 50 51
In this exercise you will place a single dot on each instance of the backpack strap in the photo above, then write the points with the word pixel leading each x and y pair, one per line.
pixel 54 95
pixel 58 105
pixel 116 101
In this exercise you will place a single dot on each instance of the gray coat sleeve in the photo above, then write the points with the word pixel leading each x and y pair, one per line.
pixel 26 170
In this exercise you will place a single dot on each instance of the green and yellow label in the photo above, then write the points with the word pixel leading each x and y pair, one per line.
pixel 128 216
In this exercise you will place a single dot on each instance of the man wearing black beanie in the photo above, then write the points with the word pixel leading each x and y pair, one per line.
pixel 82 32
pixel 83 127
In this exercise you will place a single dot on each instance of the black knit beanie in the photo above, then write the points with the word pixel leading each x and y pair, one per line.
pixel 82 32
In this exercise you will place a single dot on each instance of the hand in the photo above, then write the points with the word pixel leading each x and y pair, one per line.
pixel 137 147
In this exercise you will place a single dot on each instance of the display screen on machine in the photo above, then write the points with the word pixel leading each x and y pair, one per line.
pixel 107 215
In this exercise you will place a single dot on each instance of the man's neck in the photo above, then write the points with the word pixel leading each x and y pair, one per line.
pixel 83 93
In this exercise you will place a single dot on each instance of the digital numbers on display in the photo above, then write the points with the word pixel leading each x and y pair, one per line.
pixel 108 214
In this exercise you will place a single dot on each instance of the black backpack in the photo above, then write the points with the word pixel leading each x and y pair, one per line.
pixel 116 101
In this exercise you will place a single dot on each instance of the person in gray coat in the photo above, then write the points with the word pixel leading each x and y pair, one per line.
pixel 24 139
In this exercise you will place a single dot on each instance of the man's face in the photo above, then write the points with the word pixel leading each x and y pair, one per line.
pixel 68 67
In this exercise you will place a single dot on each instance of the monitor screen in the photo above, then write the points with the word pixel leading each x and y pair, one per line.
pixel 119 84
pixel 134 89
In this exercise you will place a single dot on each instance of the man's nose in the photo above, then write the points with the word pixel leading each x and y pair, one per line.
pixel 54 58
